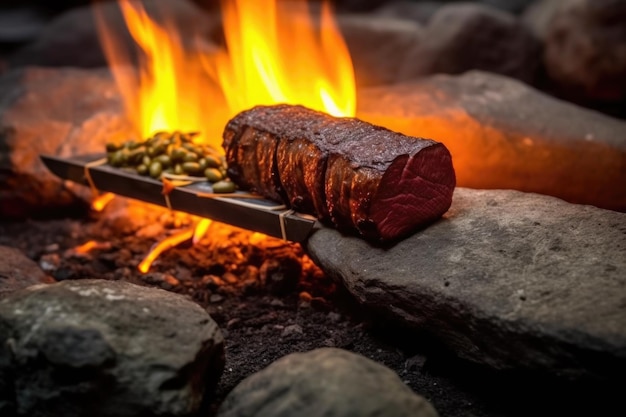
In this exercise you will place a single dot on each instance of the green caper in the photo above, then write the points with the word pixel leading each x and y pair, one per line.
pixel 142 169
pixel 178 154
pixel 146 160
pixel 164 160
pixel 190 157
pixel 112 147
pixel 136 155
pixel 191 168
pixel 192 148
pixel 157 149
pixel 224 186
pixel 118 158
pixel 155 169
pixel 213 174
pixel 178 169
pixel 212 161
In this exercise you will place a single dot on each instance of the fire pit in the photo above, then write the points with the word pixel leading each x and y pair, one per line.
pixel 512 286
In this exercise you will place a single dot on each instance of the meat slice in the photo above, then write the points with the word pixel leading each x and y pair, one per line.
pixel 355 175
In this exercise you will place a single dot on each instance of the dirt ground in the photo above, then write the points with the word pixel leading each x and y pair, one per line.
pixel 270 300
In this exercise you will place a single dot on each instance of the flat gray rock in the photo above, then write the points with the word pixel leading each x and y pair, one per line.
pixel 508 279
pixel 325 382
pixel 505 134
pixel 77 347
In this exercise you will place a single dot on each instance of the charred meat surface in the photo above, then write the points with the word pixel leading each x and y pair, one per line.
pixel 350 173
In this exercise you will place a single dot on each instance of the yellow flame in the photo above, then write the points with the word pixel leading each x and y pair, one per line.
pixel 101 201
pixel 201 229
pixel 277 52
pixel 158 249
pixel 171 90
pixel 280 54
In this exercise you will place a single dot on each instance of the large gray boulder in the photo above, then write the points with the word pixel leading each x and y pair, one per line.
pixel 585 46
pixel 325 382
pixel 72 39
pixel 63 112
pixel 105 348
pixel 508 279
pixel 464 36
pixel 505 134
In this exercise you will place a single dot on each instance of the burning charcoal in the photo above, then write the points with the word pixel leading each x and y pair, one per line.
pixel 355 175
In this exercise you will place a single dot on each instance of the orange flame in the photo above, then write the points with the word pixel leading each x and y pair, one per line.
pixel 91 245
pixel 101 201
pixel 162 246
pixel 277 52
pixel 171 90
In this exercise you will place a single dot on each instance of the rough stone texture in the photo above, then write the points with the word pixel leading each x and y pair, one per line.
pixel 420 12
pixel 325 382
pixel 18 271
pixel 508 279
pixel 380 47
pixel 71 39
pixel 504 134
pixel 585 46
pixel 61 112
pixel 465 36
pixel 105 348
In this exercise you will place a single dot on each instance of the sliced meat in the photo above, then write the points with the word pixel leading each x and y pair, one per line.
pixel 355 175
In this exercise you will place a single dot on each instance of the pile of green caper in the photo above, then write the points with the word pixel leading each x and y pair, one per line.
pixel 172 153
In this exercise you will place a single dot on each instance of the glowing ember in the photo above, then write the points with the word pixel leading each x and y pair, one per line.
pixel 101 201
pixel 91 245
pixel 162 246
pixel 200 230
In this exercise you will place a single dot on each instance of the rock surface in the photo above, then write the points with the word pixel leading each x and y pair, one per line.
pixel 63 112
pixel 508 279
pixel 381 47
pixel 505 134
pixel 18 271
pixel 106 347
pixel 325 382
pixel 71 39
pixel 585 46
pixel 466 36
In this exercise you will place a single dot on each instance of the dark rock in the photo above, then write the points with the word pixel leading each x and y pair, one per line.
pixel 504 134
pixel 281 275
pixel 465 36
pixel 380 47
pixel 420 12
pixel 71 39
pixel 105 348
pixel 63 112
pixel 326 382
pixel 17 271
pixel 508 279
pixel 585 47
pixel 512 6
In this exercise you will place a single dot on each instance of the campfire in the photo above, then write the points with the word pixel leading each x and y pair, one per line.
pixel 275 52
pixel 220 226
